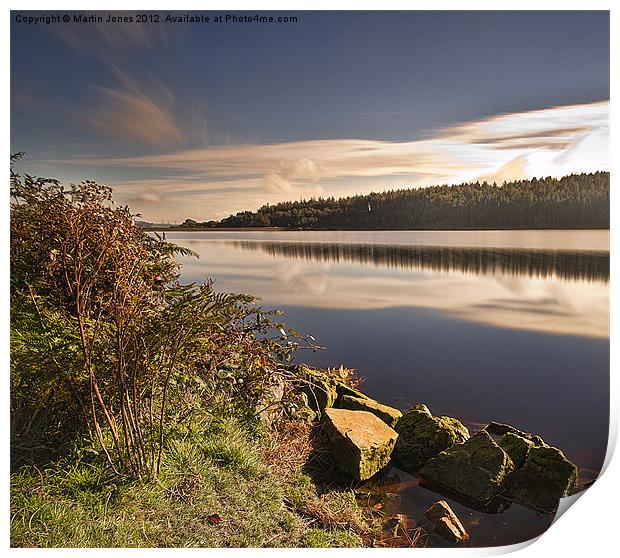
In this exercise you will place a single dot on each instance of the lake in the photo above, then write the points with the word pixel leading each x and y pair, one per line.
pixel 511 326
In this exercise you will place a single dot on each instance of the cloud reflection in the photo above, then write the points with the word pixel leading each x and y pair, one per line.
pixel 548 299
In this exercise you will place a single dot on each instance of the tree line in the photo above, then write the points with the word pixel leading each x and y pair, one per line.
pixel 574 201
pixel 569 265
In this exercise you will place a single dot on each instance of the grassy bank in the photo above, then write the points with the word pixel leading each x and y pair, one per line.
pixel 224 482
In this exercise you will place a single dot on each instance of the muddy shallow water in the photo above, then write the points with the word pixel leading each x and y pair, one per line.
pixel 511 326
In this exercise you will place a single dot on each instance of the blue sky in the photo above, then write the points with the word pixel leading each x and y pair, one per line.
pixel 201 120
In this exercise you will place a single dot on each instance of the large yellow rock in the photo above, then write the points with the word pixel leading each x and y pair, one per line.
pixel 361 443
pixel 387 414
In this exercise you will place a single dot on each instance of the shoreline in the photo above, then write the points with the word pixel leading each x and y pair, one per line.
pixel 285 229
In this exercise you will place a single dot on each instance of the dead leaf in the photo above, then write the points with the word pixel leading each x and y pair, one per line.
pixel 214 519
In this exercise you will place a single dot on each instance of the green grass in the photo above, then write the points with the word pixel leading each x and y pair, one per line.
pixel 216 465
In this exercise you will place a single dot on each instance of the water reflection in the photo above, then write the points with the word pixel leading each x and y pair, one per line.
pixel 573 265
pixel 535 288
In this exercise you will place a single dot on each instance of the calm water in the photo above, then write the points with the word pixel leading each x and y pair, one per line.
pixel 510 326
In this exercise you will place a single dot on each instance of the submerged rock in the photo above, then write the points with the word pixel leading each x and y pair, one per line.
pixel 447 524
pixel 360 442
pixel 449 531
pixel 476 468
pixel 545 477
pixel 517 447
pixel 387 414
pixel 422 436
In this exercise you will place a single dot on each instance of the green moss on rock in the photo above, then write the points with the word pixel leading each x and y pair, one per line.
pixel 517 447
pixel 476 468
pixel 422 436
pixel 343 389
pixel 387 414
pixel 319 388
pixel 500 429
pixel 361 443
pixel 545 477
pixel 296 406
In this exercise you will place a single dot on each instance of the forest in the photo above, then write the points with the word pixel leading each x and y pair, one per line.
pixel 574 201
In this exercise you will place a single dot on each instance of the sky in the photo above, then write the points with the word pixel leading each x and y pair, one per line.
pixel 201 120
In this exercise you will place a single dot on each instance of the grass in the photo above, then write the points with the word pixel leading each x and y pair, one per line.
pixel 261 485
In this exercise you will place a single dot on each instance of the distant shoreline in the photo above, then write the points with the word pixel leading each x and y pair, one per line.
pixel 573 201
pixel 299 229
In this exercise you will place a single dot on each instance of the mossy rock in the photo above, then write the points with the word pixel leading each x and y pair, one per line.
pixel 361 443
pixel 306 414
pixel 500 429
pixel 387 414
pixel 299 408
pixel 422 436
pixel 319 388
pixel 476 468
pixel 545 477
pixel 343 389
pixel 517 447
pixel 270 405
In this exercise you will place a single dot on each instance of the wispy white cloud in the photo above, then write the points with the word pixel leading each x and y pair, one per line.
pixel 132 111
pixel 549 142
pixel 130 104
pixel 132 115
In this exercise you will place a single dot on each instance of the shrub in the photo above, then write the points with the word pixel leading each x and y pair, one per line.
pixel 103 331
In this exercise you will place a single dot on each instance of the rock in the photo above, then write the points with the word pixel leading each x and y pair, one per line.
pixel 343 389
pixel 270 404
pixel 449 531
pixel 422 436
pixel 360 442
pixel 517 447
pixel 387 414
pixel 438 510
pixel 299 408
pixel 324 390
pixel 306 414
pixel 543 474
pixel 447 524
pixel 386 483
pixel 581 486
pixel 476 468
pixel 545 477
pixel 319 388
pixel 500 429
